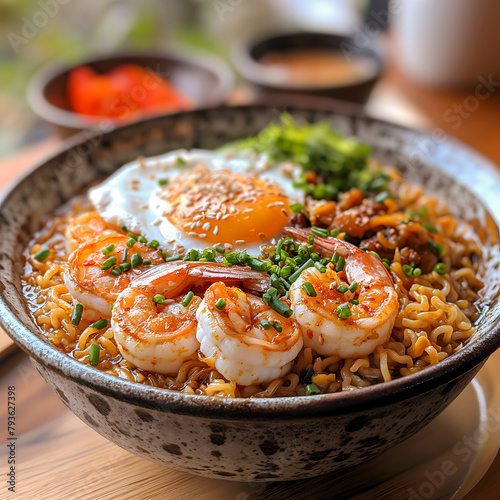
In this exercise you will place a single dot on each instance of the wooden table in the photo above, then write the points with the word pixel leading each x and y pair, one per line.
pixel 60 458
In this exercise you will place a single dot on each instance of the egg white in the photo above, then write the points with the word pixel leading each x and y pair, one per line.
pixel 131 197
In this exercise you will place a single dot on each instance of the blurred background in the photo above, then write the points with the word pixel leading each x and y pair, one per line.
pixel 421 63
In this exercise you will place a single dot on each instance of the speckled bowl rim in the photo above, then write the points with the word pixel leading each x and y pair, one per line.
pixel 295 407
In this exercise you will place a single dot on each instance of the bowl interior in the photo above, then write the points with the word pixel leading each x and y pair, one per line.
pixel 467 181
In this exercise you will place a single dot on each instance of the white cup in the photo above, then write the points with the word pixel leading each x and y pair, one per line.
pixel 447 43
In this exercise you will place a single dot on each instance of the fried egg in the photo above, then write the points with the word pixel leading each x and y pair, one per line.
pixel 200 199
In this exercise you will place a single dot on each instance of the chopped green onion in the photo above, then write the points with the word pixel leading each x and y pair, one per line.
pixel 343 311
pixel 334 233
pixel 95 350
pixel 342 288
pixel 306 374
pixel 162 182
pixel 141 239
pixel 430 227
pixel 126 266
pixel 441 268
pixel 124 228
pixel 159 299
pixel 147 262
pixel 153 244
pixel 192 255
pixel 109 263
pixel 408 270
pixel 131 242
pixel 136 260
pixel 320 267
pixel 132 235
pixel 277 327
pixel 42 255
pixel 298 272
pixel 285 271
pixel 172 258
pixel 365 249
pixel 187 299
pixel 354 302
pixel 312 389
pixel 296 208
pixel 265 324
pixel 382 196
pixel 354 286
pixel 310 239
pixel 309 289
pixel 339 266
pixel 180 161
pixel 280 307
pixel 76 317
pixel 335 257
pixel 109 249
pixel 220 304
pixel 220 250
pixel 125 254
pixel 422 212
pixel 387 264
pixel 99 324
pixel 417 271
pixel 375 254
pixel 320 231
pixel 116 271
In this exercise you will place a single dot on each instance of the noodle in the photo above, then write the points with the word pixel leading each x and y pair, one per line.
pixel 436 312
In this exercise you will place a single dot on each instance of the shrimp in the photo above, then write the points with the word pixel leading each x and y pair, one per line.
pixel 160 337
pixel 85 227
pixel 96 288
pixel 235 342
pixel 372 317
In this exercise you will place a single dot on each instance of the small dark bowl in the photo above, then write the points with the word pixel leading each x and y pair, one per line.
pixel 251 439
pixel 246 57
pixel 204 79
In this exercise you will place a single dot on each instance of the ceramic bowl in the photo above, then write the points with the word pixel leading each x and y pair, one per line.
pixel 205 80
pixel 250 439
pixel 247 57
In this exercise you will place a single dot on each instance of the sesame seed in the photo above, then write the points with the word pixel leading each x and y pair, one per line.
pixel 211 215
pixel 285 212
pixel 207 226
pixel 197 217
pixel 192 233
pixel 240 242
pixel 199 223
pixel 202 235
pixel 219 215
pixel 276 204
pixel 248 210
pixel 226 216
pixel 216 230
pixel 228 246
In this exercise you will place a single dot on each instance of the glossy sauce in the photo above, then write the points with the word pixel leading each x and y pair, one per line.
pixel 315 68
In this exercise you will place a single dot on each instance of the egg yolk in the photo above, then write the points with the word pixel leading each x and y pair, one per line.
pixel 224 207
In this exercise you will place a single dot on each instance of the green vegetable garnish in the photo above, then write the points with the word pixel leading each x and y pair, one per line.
pixel 42 255
pixel 95 350
pixel 76 317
